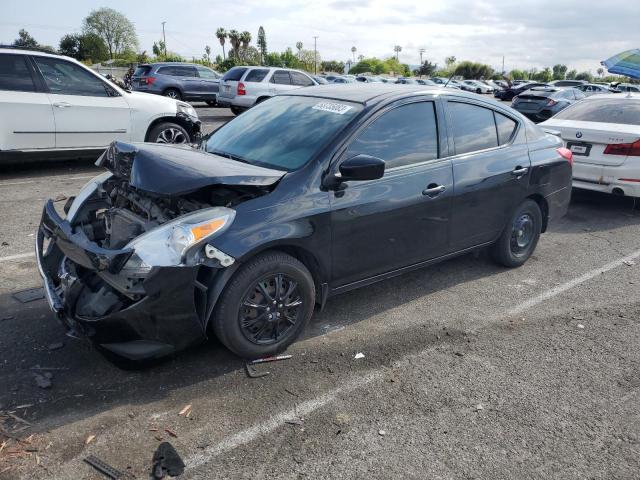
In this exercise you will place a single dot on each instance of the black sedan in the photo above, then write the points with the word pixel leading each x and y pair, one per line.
pixel 507 94
pixel 542 103
pixel 305 196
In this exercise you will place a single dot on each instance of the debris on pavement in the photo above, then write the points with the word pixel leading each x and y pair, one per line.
pixel 382 433
pixel 55 346
pixel 294 421
pixel 166 460
pixel 580 325
pixel 629 263
pixel 479 407
pixel 26 296
pixel 60 197
pixel 359 355
pixel 43 381
pixel 253 373
pixel 185 411
pixel 171 432
pixel 6 317
pixel 106 469
pixel 90 438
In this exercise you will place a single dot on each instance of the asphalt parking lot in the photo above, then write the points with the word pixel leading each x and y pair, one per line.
pixel 470 371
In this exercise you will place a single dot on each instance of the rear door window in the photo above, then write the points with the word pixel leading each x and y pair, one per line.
pixel 300 79
pixel 185 71
pixel 166 71
pixel 256 75
pixel 66 78
pixel 281 77
pixel 623 111
pixel 207 73
pixel 402 136
pixel 14 74
pixel 142 71
pixel 474 127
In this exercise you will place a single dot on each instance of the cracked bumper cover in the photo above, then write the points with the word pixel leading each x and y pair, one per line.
pixel 165 318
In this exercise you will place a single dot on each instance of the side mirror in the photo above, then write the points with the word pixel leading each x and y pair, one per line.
pixel 362 167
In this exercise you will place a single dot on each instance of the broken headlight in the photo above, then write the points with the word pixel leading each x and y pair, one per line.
pixel 176 242
pixel 188 110
pixel 89 189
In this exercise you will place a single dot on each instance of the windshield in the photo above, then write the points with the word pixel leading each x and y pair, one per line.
pixel 282 133
pixel 623 111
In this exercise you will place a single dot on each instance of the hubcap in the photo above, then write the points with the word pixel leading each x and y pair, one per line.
pixel 522 233
pixel 171 94
pixel 271 309
pixel 171 135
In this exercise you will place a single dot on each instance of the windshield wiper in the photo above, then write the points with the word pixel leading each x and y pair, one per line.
pixel 230 156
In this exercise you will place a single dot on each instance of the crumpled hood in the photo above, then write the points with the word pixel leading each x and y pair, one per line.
pixel 178 170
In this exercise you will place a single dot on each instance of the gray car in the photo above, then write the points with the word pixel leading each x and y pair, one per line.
pixel 182 81
pixel 542 103
pixel 243 87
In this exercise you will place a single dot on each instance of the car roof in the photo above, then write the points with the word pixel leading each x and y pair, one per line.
pixel 28 51
pixel 613 96
pixel 371 93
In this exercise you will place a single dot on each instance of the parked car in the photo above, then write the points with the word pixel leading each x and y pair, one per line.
pixel 405 81
pixel 311 194
pixel 476 86
pixel 542 103
pixel 368 79
pixel 509 93
pixel 343 79
pixel 243 87
pixel 595 89
pixel 567 83
pixel 628 87
pixel 182 81
pixel 603 132
pixel 425 81
pixel 320 80
pixel 53 106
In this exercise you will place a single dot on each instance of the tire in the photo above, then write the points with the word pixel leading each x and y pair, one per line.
pixel 478 90
pixel 211 103
pixel 247 331
pixel 236 110
pixel 520 236
pixel 172 93
pixel 168 132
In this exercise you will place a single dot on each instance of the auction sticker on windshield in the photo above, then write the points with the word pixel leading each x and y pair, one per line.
pixel 338 108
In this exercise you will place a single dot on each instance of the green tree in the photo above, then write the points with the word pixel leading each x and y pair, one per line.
pixel 207 54
pixel 70 46
pixel 559 71
pixel 450 61
pixel 115 30
pixel 518 75
pixel 427 68
pixel 221 34
pixel 473 70
pixel 600 71
pixel 543 76
pixel 299 46
pixel 571 74
pixel 584 76
pixel 25 40
pixel 262 44
pixel 234 40
pixel 158 48
pixel 332 66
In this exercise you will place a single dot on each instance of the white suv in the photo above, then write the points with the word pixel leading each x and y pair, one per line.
pixel 53 106
pixel 243 87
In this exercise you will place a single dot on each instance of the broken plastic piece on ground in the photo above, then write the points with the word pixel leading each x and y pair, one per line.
pixel 106 469
pixel 580 325
pixel 26 296
pixel 359 355
pixel 166 461
pixel 185 410
pixel 275 358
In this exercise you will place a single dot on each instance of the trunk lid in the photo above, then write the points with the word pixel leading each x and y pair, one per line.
pixel 594 137
pixel 177 170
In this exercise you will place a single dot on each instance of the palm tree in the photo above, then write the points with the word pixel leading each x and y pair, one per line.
pixel 600 71
pixel 397 49
pixel 221 33
pixel 245 38
pixel 360 57
pixel 234 40
pixel 353 51
pixel 299 47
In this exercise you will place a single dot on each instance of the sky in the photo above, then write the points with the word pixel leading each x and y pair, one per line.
pixel 529 34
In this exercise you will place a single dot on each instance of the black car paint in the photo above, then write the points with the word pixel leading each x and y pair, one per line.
pixel 349 236
pixel 507 94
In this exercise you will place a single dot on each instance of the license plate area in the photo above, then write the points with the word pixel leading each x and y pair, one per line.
pixel 579 148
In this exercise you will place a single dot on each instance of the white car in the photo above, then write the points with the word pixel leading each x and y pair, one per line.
pixel 243 87
pixel 53 106
pixel 476 86
pixel 603 132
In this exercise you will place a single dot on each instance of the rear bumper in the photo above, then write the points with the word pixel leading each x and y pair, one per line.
pixel 160 319
pixel 601 178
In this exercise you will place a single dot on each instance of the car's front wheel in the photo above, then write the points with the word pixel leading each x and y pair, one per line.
pixel 266 306
pixel 236 110
pixel 168 132
pixel 173 93
pixel 211 103
pixel 520 236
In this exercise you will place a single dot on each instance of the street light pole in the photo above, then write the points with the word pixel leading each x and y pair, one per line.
pixel 422 50
pixel 164 40
pixel 315 55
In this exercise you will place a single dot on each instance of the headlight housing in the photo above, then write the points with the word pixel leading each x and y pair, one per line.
pixel 188 110
pixel 175 242
pixel 85 192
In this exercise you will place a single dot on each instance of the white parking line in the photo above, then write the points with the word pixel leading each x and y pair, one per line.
pixel 309 406
pixel 19 256
pixel 43 179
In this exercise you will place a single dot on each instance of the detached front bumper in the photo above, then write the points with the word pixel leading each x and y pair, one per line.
pixel 133 315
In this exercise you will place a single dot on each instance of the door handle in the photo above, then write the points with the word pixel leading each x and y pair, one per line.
pixel 433 190
pixel 519 171
pixel 62 104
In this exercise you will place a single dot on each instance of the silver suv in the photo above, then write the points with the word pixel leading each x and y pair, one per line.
pixel 242 87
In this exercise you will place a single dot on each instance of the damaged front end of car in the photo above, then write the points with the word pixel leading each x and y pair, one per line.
pixel 133 265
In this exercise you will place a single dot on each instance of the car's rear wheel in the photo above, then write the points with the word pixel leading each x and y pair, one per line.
pixel 168 132
pixel 478 90
pixel 236 110
pixel 211 103
pixel 520 236
pixel 266 306
pixel 173 93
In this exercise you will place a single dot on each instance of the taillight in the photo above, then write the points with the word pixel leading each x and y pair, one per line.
pixel 626 149
pixel 566 154
pixel 148 80
pixel 551 103
pixel 241 89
